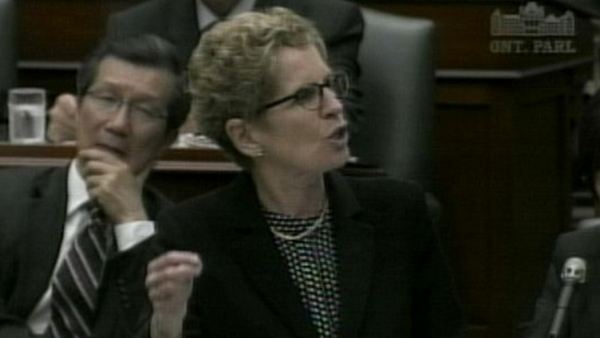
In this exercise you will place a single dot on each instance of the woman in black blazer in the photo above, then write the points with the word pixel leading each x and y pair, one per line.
pixel 291 248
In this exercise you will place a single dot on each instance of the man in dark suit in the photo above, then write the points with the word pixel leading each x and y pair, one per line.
pixel 583 314
pixel 131 102
pixel 183 21
pixel 581 320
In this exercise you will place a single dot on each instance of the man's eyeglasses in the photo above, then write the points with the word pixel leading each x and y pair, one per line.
pixel 107 103
pixel 311 96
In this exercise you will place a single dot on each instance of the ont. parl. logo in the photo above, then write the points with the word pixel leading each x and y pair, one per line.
pixel 531 31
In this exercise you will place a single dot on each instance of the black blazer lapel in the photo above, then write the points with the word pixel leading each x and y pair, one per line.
pixel 355 250
pixel 257 254
pixel 258 257
pixel 183 27
pixel 45 222
pixel 355 254
pixel 267 273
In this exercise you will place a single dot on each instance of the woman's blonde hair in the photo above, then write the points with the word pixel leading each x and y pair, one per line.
pixel 231 70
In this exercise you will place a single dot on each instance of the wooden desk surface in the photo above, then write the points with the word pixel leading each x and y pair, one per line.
pixel 179 174
pixel 175 159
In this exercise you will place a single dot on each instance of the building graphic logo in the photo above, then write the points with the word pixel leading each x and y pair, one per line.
pixel 532 31
pixel 532 21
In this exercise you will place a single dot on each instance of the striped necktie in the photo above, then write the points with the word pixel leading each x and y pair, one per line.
pixel 75 285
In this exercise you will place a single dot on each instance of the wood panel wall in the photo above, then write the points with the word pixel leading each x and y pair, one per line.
pixel 55 35
pixel 502 153
pixel 62 30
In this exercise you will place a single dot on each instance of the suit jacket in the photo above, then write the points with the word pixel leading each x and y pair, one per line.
pixel 393 279
pixel 340 23
pixel 583 316
pixel 33 201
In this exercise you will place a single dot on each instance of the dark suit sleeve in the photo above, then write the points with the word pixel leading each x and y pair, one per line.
pixel 17 330
pixel 11 325
pixel 125 305
pixel 341 25
pixel 343 46
pixel 136 20
pixel 569 244
pixel 168 231
pixel 120 26
pixel 117 26
pixel 545 305
pixel 172 233
pixel 111 31
pixel 437 312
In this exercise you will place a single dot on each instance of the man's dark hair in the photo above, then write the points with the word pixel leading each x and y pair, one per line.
pixel 143 50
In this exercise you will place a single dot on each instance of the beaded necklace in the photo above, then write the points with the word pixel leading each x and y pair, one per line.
pixel 307 232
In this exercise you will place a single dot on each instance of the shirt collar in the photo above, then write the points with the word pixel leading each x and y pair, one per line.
pixel 77 193
pixel 207 17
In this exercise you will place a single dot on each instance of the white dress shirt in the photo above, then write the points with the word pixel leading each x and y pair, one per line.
pixel 207 17
pixel 127 235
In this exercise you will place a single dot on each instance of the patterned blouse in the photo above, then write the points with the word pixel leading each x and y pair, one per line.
pixel 307 244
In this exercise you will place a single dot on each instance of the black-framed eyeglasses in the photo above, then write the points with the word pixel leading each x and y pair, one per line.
pixel 108 102
pixel 311 96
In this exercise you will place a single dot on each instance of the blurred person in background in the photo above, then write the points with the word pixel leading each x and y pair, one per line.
pixel 183 22
pixel 581 319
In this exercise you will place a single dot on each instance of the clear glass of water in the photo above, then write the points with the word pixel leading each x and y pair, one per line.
pixel 27 115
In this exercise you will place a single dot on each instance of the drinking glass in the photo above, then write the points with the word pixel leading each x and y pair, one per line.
pixel 27 115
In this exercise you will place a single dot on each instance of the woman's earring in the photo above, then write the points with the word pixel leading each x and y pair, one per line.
pixel 259 152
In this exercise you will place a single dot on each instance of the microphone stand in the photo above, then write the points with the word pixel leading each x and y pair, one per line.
pixel 573 272
pixel 561 308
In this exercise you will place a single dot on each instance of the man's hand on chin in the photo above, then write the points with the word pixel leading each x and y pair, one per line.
pixel 113 185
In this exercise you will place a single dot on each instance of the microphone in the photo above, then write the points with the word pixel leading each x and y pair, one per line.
pixel 573 272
